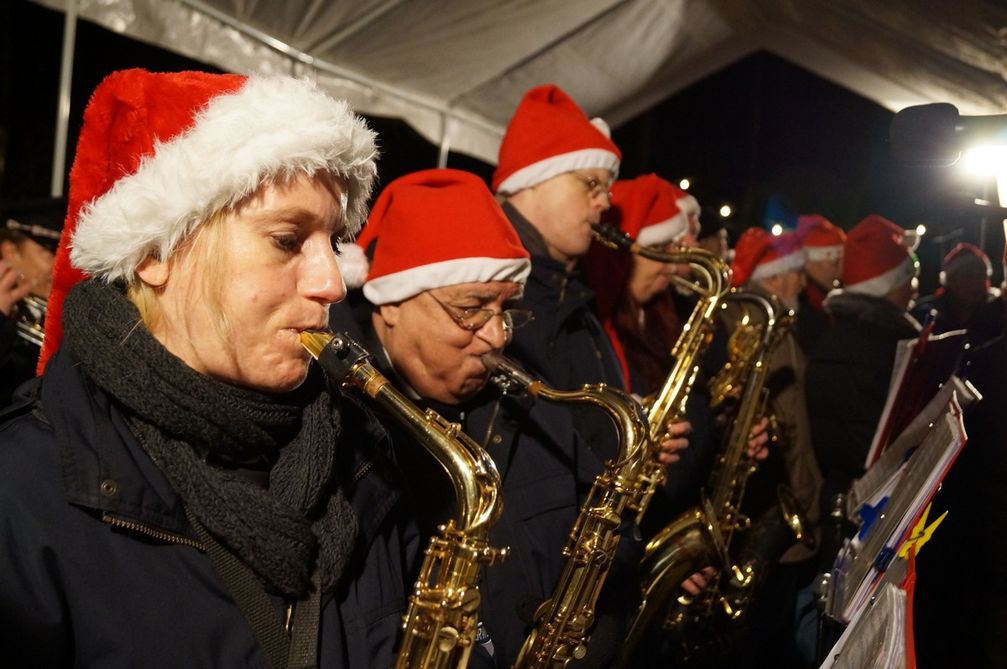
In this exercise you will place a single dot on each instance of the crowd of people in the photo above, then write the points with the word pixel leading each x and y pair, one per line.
pixel 181 486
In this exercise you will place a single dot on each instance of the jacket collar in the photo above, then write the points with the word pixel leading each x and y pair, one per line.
pixel 103 465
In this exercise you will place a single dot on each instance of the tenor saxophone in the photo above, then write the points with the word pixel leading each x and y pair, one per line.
pixel 441 622
pixel 563 622
pixel 702 536
pixel 711 280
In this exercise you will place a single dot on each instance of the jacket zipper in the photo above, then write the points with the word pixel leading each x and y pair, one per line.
pixel 160 535
pixel 361 473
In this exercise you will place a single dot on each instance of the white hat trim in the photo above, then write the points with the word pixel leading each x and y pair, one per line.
pixel 670 230
pixel 536 173
pixel 688 204
pixel 413 281
pixel 815 253
pixel 270 127
pixel 790 262
pixel 884 283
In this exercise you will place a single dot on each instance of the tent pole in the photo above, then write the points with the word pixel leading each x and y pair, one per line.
pixel 442 154
pixel 63 104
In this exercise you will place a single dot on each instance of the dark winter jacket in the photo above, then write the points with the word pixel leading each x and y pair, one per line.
pixel 565 342
pixel 100 568
pixel 847 382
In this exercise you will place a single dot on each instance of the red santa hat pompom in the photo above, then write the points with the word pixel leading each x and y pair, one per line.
pixel 649 209
pixel 159 153
pixel 547 136
pixel 820 238
pixel 759 255
pixel 438 228
pixel 877 257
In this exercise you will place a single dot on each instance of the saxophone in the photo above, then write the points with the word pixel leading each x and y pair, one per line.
pixel 702 536
pixel 440 624
pixel 712 281
pixel 563 621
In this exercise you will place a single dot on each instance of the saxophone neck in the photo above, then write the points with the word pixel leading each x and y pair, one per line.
pixel 473 474
pixel 624 411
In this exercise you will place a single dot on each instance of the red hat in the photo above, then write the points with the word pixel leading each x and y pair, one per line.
pixel 820 238
pixel 159 153
pixel 759 255
pixel 436 228
pixel 877 257
pixel 548 136
pixel 649 209
pixel 964 252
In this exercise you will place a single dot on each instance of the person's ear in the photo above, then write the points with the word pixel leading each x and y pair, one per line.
pixel 7 249
pixel 153 272
pixel 389 313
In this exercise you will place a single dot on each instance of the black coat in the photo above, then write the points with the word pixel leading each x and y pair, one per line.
pixel 76 590
pixel 565 342
pixel 847 383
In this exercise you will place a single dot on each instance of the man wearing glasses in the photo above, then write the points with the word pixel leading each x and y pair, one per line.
pixel 553 176
pixel 442 271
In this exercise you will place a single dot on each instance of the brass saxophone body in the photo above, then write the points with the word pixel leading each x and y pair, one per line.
pixel 711 280
pixel 563 622
pixel 30 317
pixel 702 536
pixel 441 622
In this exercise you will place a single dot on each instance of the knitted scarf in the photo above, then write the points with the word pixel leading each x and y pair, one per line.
pixel 199 431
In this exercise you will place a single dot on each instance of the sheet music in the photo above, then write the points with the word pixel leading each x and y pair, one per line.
pixel 862 563
pixel 881 477
pixel 876 638
pixel 920 366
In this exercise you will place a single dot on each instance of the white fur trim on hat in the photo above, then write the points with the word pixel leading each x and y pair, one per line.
pixel 270 127
pixel 670 230
pixel 353 264
pixel 815 253
pixel 884 283
pixel 688 204
pixel 536 173
pixel 408 283
pixel 790 262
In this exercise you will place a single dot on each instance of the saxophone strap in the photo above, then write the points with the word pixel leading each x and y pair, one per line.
pixel 299 649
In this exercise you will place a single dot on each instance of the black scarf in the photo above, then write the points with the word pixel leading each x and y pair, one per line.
pixel 199 431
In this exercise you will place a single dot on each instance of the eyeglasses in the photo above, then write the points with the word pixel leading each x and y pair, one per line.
pixel 595 188
pixel 474 319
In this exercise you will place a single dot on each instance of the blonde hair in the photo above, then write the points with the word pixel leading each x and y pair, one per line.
pixel 203 249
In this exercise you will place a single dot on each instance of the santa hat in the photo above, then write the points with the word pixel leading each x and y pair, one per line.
pixel 649 209
pixel 964 252
pixel 877 257
pixel 820 238
pixel 759 255
pixel 548 136
pixel 431 229
pixel 159 153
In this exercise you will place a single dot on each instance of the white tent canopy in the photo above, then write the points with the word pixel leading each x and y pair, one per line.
pixel 455 69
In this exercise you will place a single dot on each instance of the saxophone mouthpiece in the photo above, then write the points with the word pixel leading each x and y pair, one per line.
pixel 612 237
pixel 505 373
pixel 315 341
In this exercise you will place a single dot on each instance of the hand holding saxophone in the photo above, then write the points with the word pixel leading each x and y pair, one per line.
pixel 758 440
pixel 675 439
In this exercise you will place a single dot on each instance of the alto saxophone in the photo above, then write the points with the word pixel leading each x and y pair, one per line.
pixel 702 536
pixel 711 281
pixel 441 622
pixel 563 622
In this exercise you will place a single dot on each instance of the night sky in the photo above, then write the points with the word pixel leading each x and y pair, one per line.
pixel 763 135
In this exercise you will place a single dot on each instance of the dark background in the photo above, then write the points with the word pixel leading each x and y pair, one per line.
pixel 763 135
